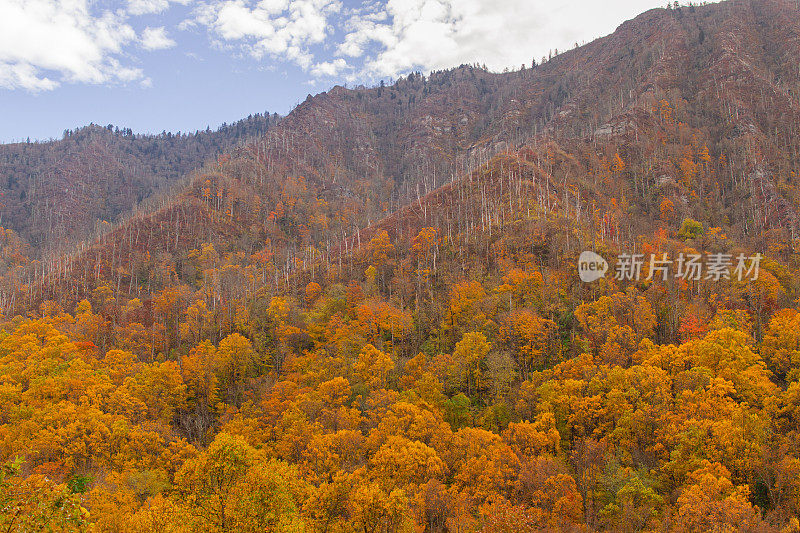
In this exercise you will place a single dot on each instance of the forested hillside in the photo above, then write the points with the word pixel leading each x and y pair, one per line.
pixel 370 318
pixel 54 194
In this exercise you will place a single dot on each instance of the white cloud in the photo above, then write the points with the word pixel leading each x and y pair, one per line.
pixel 436 34
pixel 329 68
pixel 156 39
pixel 24 75
pixel 387 38
pixel 281 29
pixel 149 7
pixel 46 42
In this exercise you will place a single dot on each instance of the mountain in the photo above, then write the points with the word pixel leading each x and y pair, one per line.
pixel 371 316
pixel 57 193
pixel 698 104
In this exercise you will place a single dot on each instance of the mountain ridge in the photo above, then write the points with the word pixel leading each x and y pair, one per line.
pixel 372 316
pixel 56 192
pixel 354 156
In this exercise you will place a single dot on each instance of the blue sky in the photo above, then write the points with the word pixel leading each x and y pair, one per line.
pixel 182 65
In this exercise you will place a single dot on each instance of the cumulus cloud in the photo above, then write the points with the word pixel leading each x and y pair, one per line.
pixel 24 75
pixel 281 29
pixel 46 42
pixel 401 35
pixel 156 39
pixel 432 34
pixel 329 68
pixel 386 38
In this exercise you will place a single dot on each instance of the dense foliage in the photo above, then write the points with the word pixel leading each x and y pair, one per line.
pixel 369 318
pixel 341 410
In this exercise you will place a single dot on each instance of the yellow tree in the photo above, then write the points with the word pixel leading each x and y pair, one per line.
pixel 380 251
pixel 528 336
pixel 531 439
pixel 206 482
pixel 521 287
pixel 269 497
pixel 712 503
pixel 400 463
pixel 197 320
pixel 781 344
pixel 465 310
pixel 373 367
pixel 373 510
pixel 160 387
pixel 200 369
pixel 236 361
pixel 466 369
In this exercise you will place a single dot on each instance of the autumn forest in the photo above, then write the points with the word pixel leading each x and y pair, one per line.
pixel 367 315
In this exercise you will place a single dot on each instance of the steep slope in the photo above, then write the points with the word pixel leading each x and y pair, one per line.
pixel 680 113
pixel 703 67
pixel 371 317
